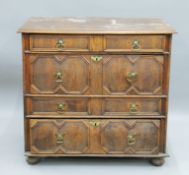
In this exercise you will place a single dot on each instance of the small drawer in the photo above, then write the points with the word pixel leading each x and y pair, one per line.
pixel 59 42
pixel 57 106
pixel 133 106
pixel 136 43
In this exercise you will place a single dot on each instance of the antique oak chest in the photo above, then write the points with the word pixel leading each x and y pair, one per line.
pixel 96 87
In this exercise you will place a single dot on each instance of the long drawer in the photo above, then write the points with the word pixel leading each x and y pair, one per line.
pixel 114 43
pixel 87 106
pixel 82 74
pixel 84 136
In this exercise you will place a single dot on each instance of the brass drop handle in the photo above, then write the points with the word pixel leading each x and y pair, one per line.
pixel 131 140
pixel 133 108
pixel 131 77
pixel 95 123
pixel 59 75
pixel 136 44
pixel 60 44
pixel 96 58
pixel 61 107
pixel 60 138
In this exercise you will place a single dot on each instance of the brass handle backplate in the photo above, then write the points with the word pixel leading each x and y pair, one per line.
pixel 131 140
pixel 59 138
pixel 61 107
pixel 96 58
pixel 136 44
pixel 95 123
pixel 59 75
pixel 131 77
pixel 133 108
pixel 60 44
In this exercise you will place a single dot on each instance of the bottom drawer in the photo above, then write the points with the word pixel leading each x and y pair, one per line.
pixel 84 136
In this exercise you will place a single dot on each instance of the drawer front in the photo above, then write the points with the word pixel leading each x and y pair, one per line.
pixel 59 42
pixel 135 43
pixel 95 136
pixel 63 74
pixel 57 106
pixel 133 74
pixel 130 136
pixel 132 106
pixel 59 136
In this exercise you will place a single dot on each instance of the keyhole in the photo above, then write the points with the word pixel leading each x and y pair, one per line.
pixel 96 59
pixel 95 124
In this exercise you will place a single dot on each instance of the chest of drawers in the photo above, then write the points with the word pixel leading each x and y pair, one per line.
pixel 96 87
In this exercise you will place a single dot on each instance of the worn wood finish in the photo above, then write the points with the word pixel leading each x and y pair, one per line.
pixel 93 25
pixel 96 87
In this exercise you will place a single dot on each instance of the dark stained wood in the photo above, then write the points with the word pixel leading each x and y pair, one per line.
pixel 93 25
pixel 110 77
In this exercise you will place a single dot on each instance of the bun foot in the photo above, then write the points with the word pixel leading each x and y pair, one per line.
pixel 157 161
pixel 33 160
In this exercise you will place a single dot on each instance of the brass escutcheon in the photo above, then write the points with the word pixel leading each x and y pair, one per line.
pixel 95 123
pixel 96 58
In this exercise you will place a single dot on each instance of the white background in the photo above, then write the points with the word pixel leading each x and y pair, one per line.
pixel 12 16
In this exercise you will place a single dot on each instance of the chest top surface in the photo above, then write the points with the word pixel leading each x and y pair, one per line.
pixel 93 25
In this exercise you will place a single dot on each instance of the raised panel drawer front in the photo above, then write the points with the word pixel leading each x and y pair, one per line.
pixel 57 106
pixel 59 136
pixel 47 42
pixel 63 74
pixel 133 106
pixel 111 136
pixel 133 74
pixel 136 43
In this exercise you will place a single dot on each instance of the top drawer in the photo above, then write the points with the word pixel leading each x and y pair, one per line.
pixel 54 42
pixel 136 43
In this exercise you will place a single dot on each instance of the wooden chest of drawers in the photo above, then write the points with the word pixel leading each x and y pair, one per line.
pixel 96 87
